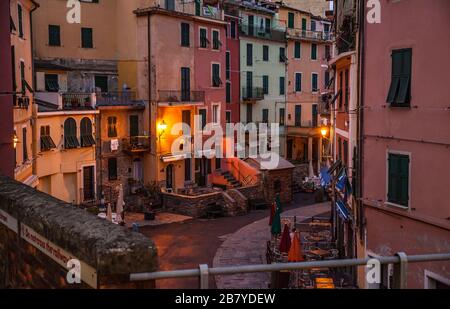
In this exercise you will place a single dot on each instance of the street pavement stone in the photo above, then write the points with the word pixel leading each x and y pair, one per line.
pixel 247 246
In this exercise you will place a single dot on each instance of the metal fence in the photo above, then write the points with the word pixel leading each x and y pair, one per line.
pixel 400 262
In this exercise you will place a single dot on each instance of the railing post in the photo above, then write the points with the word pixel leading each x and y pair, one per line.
pixel 204 276
pixel 400 271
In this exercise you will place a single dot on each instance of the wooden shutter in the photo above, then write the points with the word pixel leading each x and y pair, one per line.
pixel 54 37
pixel 249 54
pixel 185 41
pixel 134 125
pixel 398 179
pixel 228 65
pixel 265 53
pixel 266 84
pixel 291 20
pixel 249 82
pixel 405 78
pixel 282 85
pixel 228 92
pixel 298 115
pixel 314 115
pixel 86 38
pixel 313 51
pixel 298 81
pixel 297 51
pixel 185 84
pixel 187 169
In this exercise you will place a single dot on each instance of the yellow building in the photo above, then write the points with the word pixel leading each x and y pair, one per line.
pixel 65 154
pixel 22 60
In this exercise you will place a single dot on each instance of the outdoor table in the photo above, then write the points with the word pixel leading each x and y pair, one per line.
pixel 320 252
pixel 325 286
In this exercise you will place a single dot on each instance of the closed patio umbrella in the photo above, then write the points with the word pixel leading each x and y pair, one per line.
pixel 272 213
pixel 295 253
pixel 119 206
pixel 109 213
pixel 285 243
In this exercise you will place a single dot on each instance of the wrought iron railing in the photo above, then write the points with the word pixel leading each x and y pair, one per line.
pixel 181 96
pixel 136 144
pixel 310 34
pixel 116 97
pixel 253 93
pixel 262 32
pixel 400 269
pixel 77 101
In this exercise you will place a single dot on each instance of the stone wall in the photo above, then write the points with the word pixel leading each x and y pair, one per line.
pixel 300 172
pixel 193 206
pixel 39 234
pixel 284 178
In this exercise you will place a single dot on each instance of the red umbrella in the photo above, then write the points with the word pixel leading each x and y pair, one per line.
pixel 295 253
pixel 272 213
pixel 285 243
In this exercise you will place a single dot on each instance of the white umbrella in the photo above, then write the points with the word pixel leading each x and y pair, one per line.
pixel 109 213
pixel 119 206
pixel 311 170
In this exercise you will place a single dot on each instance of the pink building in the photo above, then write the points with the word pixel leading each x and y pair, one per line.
pixel 6 100
pixel 406 170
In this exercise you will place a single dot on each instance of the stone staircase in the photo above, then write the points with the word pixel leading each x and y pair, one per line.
pixel 233 182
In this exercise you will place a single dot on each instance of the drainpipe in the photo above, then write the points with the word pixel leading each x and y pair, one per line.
pixel 151 101
pixel 34 108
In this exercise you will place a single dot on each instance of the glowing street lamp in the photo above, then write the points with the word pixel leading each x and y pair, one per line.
pixel 324 132
pixel 162 128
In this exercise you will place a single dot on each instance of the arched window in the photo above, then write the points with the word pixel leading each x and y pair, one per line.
pixel 70 134
pixel 87 140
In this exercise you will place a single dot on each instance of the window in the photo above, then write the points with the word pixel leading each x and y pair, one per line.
pixel 297 50
pixel 314 82
pixel 282 116
pixel 101 82
pixel 400 88
pixel 198 8
pixel 398 179
pixel 249 113
pixel 216 81
pixel 265 53
pixel 283 54
pixel 313 51
pixel 20 18
pixel 185 84
pixel 216 114
pixel 216 40
pixel 341 85
pixel 251 25
pixel 112 126
pixel 291 20
pixel 268 25
pixel 22 76
pixel 51 83
pixel 345 147
pixel 46 140
pixel 185 41
pixel 327 52
pixel 202 114
pixel 298 115
pixel 303 23
pixel 298 82
pixel 265 115
pixel 204 38
pixel 249 54
pixel 266 84
pixel 54 35
pixel 170 5
pixel 315 115
pixel 112 168
pixel 233 29
pixel 187 169
pixel 24 145
pixel 339 142
pixel 228 116
pixel 87 140
pixel 228 65
pixel 134 125
pixel 313 25
pixel 228 92
pixel 86 38
pixel 327 79
pixel 70 134
pixel 347 90
pixel 282 85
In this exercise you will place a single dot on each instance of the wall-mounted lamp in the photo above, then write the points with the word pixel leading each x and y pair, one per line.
pixel 15 141
pixel 324 132
pixel 162 128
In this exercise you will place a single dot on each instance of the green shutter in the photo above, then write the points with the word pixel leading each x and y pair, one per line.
pixel 404 181
pixel 398 179
pixel 297 51
pixel 291 20
pixel 313 51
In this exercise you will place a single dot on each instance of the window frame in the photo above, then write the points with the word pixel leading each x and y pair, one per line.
pixel 219 82
pixel 312 82
pixel 266 53
pixel 397 79
pixel 83 42
pixel 295 81
pixel 112 126
pixel 219 43
pixel 58 39
pixel 207 42
pixel 315 51
pixel 185 41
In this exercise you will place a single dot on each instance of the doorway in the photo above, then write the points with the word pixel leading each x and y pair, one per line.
pixel 169 176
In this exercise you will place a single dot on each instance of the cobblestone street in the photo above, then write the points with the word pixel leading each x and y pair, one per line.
pixel 187 244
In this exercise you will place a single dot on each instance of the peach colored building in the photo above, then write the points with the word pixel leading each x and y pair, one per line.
pixel 406 170
pixel 21 49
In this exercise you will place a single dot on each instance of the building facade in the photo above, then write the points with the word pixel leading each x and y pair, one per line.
pixel 308 79
pixel 22 60
pixel 406 144
pixel 6 95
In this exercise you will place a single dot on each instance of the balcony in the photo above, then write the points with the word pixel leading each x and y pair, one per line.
pixel 136 144
pixel 252 94
pixel 175 97
pixel 310 35
pixel 262 32
pixel 21 102
pixel 305 128
pixel 116 98
pixel 78 101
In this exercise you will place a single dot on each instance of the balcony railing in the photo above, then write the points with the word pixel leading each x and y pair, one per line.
pixel 262 32
pixel 116 98
pixel 305 124
pixel 78 101
pixel 310 35
pixel 174 96
pixel 136 144
pixel 254 93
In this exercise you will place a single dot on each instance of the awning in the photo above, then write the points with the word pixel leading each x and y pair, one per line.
pixel 173 158
pixel 342 210
pixel 32 181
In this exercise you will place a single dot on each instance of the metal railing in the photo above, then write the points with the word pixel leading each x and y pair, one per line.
pixel 136 144
pixel 77 101
pixel 254 93
pixel 310 34
pixel 116 97
pixel 262 32
pixel 181 96
pixel 400 262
